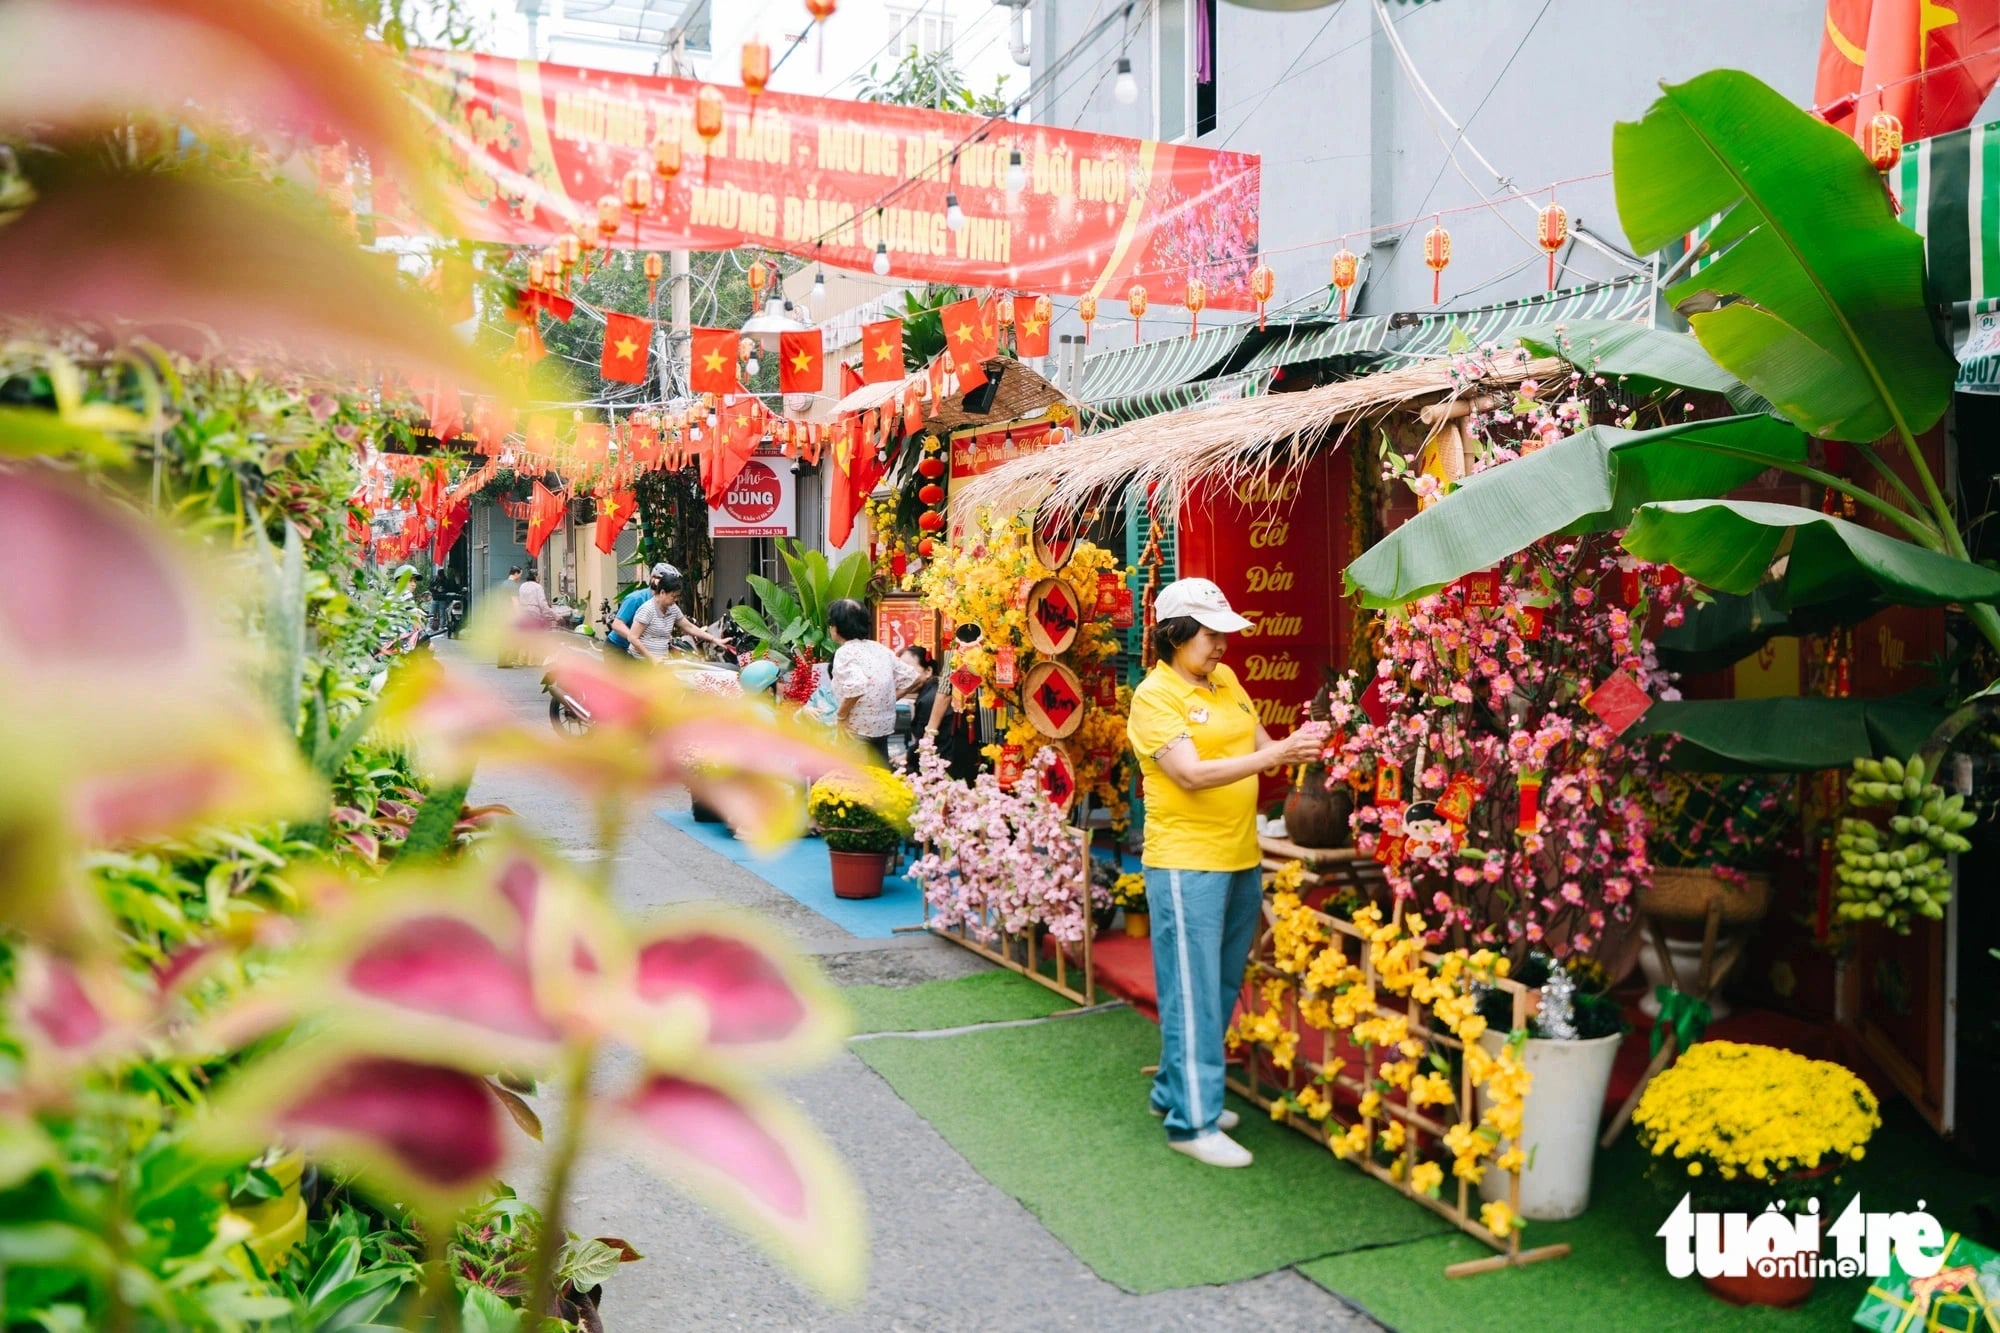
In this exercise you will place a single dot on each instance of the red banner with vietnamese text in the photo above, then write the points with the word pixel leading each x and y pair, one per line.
pixel 531 148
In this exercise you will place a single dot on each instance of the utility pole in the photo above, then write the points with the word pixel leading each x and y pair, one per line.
pixel 680 278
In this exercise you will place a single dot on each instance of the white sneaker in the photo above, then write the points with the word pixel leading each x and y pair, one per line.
pixel 1228 1120
pixel 1213 1149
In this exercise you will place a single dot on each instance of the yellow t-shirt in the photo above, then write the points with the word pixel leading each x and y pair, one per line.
pixel 1195 830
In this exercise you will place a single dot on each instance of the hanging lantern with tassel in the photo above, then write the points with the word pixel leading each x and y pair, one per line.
pixel 610 219
pixel 538 274
pixel 667 156
pixel 1882 141
pixel 758 275
pixel 821 11
pixel 1003 310
pixel 1263 286
pixel 756 68
pixel 1044 309
pixel 635 192
pixel 1346 270
pixel 1437 255
pixel 1086 310
pixel 1195 298
pixel 1552 233
pixel 1135 301
pixel 708 108
pixel 654 267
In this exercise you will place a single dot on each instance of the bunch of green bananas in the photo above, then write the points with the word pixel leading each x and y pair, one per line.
pixel 1893 876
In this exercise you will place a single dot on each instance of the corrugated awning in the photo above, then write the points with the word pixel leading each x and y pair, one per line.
pixel 1399 340
pixel 1126 383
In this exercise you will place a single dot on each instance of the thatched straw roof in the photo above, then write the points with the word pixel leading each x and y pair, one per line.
pixel 1223 439
pixel 1022 393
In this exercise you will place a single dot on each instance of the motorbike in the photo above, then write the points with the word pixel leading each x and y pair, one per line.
pixel 569 707
pixel 447 616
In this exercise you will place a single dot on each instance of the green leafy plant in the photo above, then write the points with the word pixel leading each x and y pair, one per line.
pixel 792 621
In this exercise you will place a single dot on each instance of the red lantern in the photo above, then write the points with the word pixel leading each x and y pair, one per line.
pixel 1044 308
pixel 759 277
pixel 1882 141
pixel 1135 301
pixel 930 467
pixel 756 65
pixel 654 267
pixel 930 520
pixel 1010 767
pixel 1528 814
pixel 931 495
pixel 1121 610
pixel 1006 668
pixel 635 192
pixel 821 10
pixel 1552 233
pixel 1263 286
pixel 926 546
pixel 1346 271
pixel 1437 255
pixel 899 564
pixel 1108 584
pixel 569 249
pixel 708 107
pixel 1086 310
pixel 1003 310
pixel 667 156
pixel 1195 298
pixel 610 217
pixel 538 274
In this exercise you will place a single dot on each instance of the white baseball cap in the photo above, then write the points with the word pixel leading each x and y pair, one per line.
pixel 1203 601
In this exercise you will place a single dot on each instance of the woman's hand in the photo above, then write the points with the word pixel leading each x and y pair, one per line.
pixel 1301 747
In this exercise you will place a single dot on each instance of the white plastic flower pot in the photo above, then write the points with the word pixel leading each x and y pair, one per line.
pixel 1558 1123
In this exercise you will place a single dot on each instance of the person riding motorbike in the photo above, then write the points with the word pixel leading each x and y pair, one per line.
pixel 620 634
pixel 660 621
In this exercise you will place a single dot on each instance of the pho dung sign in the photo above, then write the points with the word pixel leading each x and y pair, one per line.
pixel 759 503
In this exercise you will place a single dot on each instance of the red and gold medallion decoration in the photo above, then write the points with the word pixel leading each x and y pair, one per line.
pixel 1059 780
pixel 1054 617
pixel 1052 699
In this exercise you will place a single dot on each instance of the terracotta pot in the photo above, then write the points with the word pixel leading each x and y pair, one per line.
pixel 1753 1289
pixel 1139 925
pixel 858 874
pixel 1316 816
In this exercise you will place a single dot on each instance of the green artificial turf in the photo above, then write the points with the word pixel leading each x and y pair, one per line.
pixel 1615 1275
pixel 998 996
pixel 1055 1114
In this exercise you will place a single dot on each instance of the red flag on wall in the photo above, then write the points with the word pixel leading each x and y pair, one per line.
pixel 882 351
pixel 712 361
pixel 545 513
pixel 799 366
pixel 1890 44
pixel 628 342
pixel 614 511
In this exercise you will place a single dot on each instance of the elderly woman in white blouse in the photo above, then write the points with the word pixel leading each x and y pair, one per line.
pixel 866 677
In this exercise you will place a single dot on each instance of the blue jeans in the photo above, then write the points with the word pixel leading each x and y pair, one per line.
pixel 1204 922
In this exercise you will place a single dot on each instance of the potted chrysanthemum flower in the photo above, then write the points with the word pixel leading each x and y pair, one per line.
pixel 862 817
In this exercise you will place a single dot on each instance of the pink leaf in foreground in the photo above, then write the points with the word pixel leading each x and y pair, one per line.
pixel 437 1124
pixel 56 1005
pixel 757 1001
pixel 759 1163
pixel 442 967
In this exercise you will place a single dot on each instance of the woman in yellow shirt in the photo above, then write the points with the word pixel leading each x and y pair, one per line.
pixel 1200 750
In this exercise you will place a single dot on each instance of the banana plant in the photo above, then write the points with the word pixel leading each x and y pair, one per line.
pixel 793 620
pixel 1814 301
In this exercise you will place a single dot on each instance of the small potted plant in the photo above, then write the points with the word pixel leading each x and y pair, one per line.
pixel 1129 892
pixel 1569 1047
pixel 1713 841
pixel 861 817
pixel 1736 1128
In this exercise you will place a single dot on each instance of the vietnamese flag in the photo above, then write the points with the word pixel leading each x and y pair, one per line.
pixel 628 341
pixel 642 446
pixel 545 513
pixel 856 470
pixel 614 511
pixel 451 523
pixel 882 351
pixel 850 379
pixel 962 324
pixel 739 424
pixel 799 366
pixel 592 444
pixel 1890 44
pixel 712 361
pixel 1031 334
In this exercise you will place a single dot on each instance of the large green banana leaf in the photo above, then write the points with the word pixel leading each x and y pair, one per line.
pixel 1730 544
pixel 1817 297
pixel 1591 482
pixel 1790 735
pixel 1728 627
pixel 1644 359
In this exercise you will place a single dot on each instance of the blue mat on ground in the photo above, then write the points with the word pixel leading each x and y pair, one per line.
pixel 800 871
